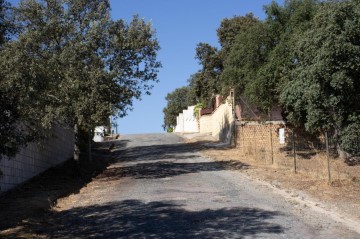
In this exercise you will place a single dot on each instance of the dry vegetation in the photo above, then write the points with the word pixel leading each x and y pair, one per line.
pixel 312 175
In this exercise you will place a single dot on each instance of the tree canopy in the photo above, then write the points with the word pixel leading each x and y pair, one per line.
pixel 323 90
pixel 70 64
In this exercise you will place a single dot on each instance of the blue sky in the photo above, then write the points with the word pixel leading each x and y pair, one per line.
pixel 180 26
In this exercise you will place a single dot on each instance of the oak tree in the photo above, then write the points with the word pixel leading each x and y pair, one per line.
pixel 72 65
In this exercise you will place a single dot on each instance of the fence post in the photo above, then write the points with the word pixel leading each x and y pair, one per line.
pixel 327 157
pixel 294 150
pixel 271 145
pixel 235 133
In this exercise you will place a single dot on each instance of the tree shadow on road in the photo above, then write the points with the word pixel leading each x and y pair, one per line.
pixel 135 219
pixel 161 161
pixel 165 169
pixel 157 152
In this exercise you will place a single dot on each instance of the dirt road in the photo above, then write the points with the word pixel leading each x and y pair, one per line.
pixel 160 187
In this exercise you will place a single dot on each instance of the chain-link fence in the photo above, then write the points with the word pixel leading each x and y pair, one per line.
pixel 274 143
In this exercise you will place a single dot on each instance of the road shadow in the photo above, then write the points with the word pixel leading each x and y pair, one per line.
pixel 135 219
pixel 164 169
pixel 157 152
pixel 38 195
pixel 163 160
pixel 111 145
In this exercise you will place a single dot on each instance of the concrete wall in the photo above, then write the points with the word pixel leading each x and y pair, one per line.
pixel 190 122
pixel 206 124
pixel 186 121
pixel 34 159
pixel 179 128
pixel 220 123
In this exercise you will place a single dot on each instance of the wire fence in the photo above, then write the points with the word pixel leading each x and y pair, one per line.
pixel 276 144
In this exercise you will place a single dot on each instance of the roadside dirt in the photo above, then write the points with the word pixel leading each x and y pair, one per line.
pixel 24 210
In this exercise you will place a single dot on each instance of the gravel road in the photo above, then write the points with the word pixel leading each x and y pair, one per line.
pixel 162 188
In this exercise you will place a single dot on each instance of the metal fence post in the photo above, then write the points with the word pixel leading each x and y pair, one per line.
pixel 255 143
pixel 327 157
pixel 271 145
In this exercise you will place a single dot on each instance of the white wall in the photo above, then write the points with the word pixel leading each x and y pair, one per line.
pixel 220 123
pixel 206 124
pixel 34 159
pixel 179 123
pixel 187 122
pixel 190 122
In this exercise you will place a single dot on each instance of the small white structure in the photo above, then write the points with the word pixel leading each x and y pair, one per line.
pixel 186 122
pixel 99 133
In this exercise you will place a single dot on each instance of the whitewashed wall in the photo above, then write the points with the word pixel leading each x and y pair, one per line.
pixel 186 121
pixel 220 123
pixel 190 122
pixel 34 159
pixel 206 124
pixel 179 123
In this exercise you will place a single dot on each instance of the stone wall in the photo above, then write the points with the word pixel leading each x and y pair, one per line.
pixel 36 158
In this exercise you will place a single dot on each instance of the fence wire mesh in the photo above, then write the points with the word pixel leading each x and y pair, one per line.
pixel 276 144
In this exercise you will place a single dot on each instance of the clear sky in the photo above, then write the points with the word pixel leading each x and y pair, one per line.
pixel 180 26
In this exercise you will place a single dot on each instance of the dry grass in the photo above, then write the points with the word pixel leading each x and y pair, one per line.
pixel 311 176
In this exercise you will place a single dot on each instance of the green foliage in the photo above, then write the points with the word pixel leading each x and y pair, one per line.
pixel 11 134
pixel 248 53
pixel 203 86
pixel 197 109
pixel 323 91
pixel 5 22
pixel 231 27
pixel 350 136
pixel 177 101
pixel 261 56
pixel 206 81
pixel 70 64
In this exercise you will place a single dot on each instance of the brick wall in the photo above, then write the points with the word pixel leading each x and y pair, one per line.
pixel 36 158
pixel 253 138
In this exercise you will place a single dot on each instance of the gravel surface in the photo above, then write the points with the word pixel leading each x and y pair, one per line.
pixel 161 187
